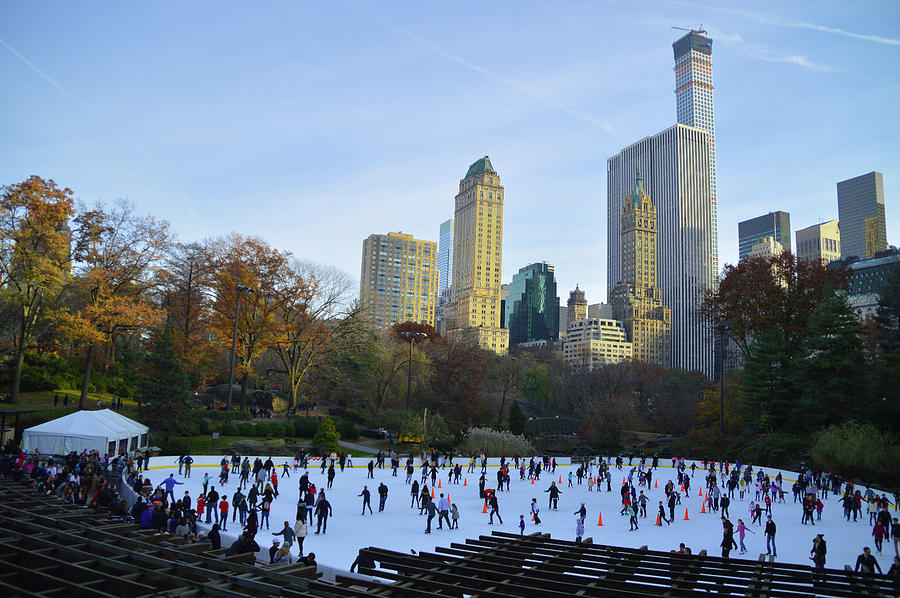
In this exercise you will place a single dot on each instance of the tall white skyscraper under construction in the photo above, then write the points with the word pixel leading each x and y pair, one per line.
pixel 694 102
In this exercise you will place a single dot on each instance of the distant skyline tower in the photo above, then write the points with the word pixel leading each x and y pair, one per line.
pixel 695 106
pixel 820 242
pixel 445 255
pixel 576 308
pixel 474 309
pixel 532 309
pixel 676 175
pixel 398 279
pixel 774 224
pixel 636 300
pixel 861 214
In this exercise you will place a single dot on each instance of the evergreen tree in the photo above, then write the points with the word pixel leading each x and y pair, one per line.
pixel 768 385
pixel 327 436
pixel 517 419
pixel 163 389
pixel 832 382
pixel 887 366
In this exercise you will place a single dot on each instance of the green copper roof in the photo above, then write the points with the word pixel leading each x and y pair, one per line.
pixel 480 166
pixel 638 186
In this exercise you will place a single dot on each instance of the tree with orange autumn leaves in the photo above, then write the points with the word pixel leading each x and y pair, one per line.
pixel 115 269
pixel 34 259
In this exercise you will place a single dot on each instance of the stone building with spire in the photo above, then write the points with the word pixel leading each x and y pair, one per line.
pixel 636 300
pixel 474 309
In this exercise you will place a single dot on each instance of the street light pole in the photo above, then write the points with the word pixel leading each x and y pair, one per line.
pixel 410 336
pixel 237 306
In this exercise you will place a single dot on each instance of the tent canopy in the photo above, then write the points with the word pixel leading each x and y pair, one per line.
pixel 105 431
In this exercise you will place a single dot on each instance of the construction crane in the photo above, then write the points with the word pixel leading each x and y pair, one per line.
pixel 699 30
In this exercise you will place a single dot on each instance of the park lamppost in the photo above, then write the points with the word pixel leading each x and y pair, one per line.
pixel 410 336
pixel 241 289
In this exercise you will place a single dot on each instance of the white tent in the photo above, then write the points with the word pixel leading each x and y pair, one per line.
pixel 105 431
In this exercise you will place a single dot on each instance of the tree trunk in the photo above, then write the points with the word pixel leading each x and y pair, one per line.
pixel 502 406
pixel 244 391
pixel 17 374
pixel 89 362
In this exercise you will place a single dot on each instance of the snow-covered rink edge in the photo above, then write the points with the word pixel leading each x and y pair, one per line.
pixel 401 528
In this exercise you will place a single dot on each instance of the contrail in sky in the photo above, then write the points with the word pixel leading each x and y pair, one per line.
pixel 531 91
pixel 769 19
pixel 83 105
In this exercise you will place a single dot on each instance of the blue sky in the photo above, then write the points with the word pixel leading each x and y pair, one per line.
pixel 314 125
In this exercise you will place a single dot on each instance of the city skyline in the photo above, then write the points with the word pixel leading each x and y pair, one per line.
pixel 238 120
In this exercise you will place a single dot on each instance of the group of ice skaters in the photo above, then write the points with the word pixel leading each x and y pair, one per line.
pixel 723 483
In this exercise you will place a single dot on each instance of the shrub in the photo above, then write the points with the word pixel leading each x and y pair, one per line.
pixel 262 429
pixel 176 446
pixel 229 430
pixel 859 451
pixel 346 429
pixel 495 444
pixel 246 429
pixel 40 372
pixel 276 430
pixel 327 437
pixel 305 427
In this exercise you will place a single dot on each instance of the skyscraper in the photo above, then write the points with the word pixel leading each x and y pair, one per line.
pixel 532 311
pixel 445 255
pixel 774 224
pixel 861 213
pixel 676 175
pixel 820 242
pixel 576 307
pixel 474 311
pixel 636 300
pixel 766 248
pixel 398 281
pixel 695 106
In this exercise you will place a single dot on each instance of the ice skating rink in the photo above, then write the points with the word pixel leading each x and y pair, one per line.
pixel 401 528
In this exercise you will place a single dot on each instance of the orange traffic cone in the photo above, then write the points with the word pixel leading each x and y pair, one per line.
pixel 686 518
pixel 600 520
pixel 465 481
pixel 682 487
pixel 532 480
pixel 439 483
pixel 656 483
pixel 484 510
pixel 432 493
pixel 658 521
pixel 532 516
pixel 703 508
pixel 701 491
pixel 448 497
pixel 560 479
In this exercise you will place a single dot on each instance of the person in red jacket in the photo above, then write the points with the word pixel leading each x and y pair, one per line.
pixel 223 509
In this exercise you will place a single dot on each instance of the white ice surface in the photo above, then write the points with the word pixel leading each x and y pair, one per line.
pixel 401 528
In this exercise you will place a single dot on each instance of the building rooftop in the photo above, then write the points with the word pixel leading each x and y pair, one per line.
pixel 480 166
